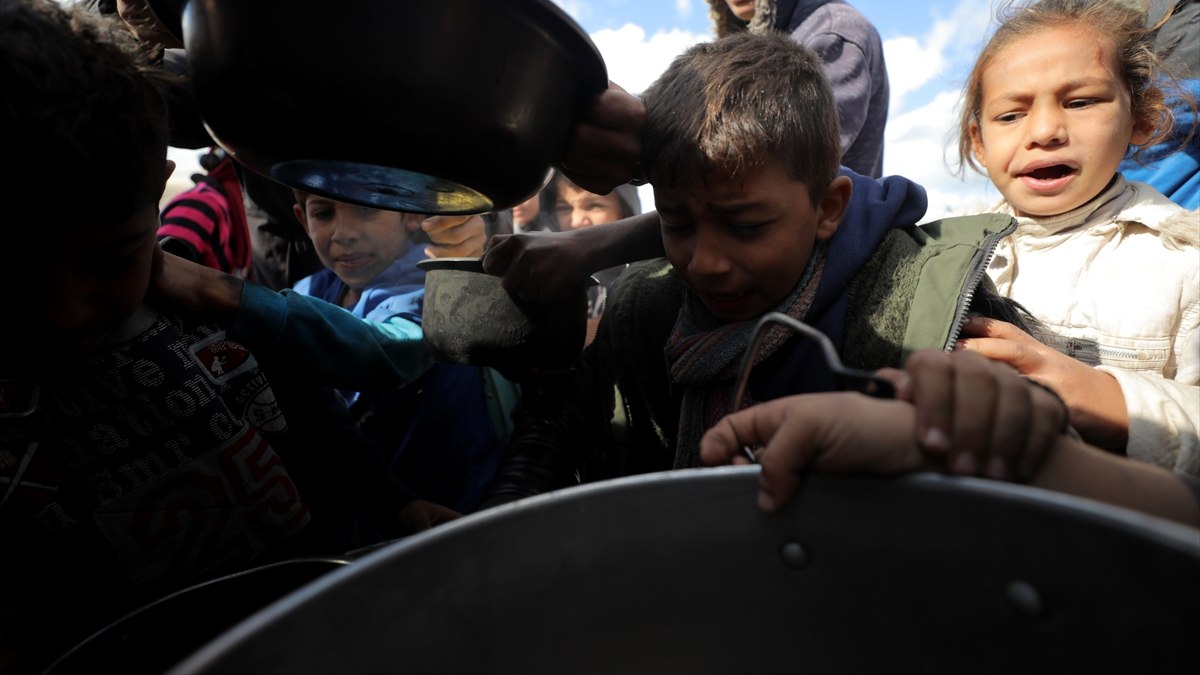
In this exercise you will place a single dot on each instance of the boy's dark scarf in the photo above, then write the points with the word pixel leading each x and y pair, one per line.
pixel 705 354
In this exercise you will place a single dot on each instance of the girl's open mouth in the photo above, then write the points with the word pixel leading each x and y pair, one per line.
pixel 1048 177
pixel 1050 172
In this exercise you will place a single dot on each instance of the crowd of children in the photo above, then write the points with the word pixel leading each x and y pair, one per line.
pixel 165 420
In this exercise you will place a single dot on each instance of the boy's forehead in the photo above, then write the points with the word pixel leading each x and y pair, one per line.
pixel 306 199
pixel 726 185
pixel 566 187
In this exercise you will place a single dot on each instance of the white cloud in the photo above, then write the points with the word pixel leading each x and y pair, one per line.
pixel 920 143
pixel 635 61
pixel 942 56
pixel 683 8
pixel 910 65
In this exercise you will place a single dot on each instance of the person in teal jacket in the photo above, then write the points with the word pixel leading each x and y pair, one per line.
pixel 437 432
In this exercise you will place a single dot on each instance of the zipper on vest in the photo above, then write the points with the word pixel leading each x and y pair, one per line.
pixel 976 270
pixel 1117 353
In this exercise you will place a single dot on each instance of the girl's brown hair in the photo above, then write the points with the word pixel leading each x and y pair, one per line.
pixel 1115 20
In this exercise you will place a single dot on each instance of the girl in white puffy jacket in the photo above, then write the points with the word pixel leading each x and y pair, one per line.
pixel 1110 267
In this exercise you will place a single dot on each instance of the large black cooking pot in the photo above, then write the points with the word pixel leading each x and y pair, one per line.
pixel 680 573
pixel 442 106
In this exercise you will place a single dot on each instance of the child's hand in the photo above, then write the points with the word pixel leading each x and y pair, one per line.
pixel 602 151
pixel 1094 398
pixel 842 432
pixel 421 515
pixel 454 236
pixel 980 416
pixel 540 267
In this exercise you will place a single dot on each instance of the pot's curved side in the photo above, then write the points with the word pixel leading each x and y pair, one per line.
pixel 680 572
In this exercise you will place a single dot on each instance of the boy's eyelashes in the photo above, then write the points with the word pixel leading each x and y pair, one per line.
pixel 748 229
pixel 737 229
pixel 591 206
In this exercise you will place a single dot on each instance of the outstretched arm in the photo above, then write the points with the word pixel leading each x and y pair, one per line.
pixel 542 267
pixel 335 347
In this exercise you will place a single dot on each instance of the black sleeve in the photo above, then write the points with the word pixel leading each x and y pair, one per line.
pixel 560 428
pixel 566 428
pixel 551 441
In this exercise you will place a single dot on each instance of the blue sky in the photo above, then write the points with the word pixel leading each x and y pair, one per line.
pixel 929 46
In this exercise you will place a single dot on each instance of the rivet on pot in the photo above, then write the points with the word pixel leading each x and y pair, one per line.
pixel 1024 597
pixel 793 554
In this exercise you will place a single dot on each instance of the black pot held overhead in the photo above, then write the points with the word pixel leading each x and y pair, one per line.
pixel 453 106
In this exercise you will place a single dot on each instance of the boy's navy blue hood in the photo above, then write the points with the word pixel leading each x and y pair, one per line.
pixel 876 207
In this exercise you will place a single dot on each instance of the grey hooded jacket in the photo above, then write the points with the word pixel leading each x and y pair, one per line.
pixel 852 51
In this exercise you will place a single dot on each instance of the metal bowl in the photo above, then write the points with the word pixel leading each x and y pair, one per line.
pixel 453 106
pixel 469 318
